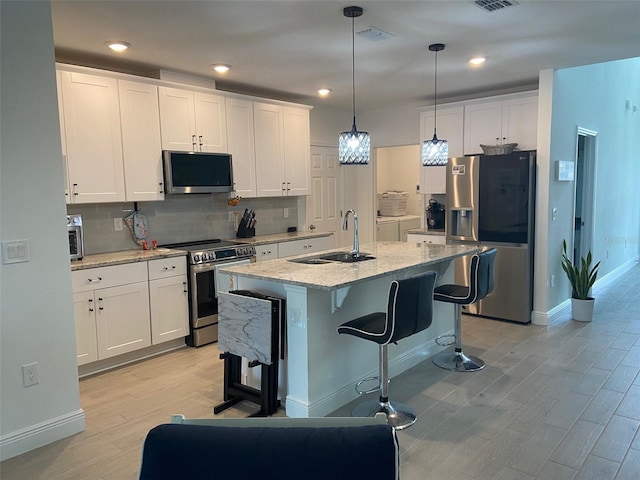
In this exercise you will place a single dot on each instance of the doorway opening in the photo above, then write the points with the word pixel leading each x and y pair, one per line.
pixel 584 198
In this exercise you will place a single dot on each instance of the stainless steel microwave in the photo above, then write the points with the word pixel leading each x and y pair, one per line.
pixel 197 172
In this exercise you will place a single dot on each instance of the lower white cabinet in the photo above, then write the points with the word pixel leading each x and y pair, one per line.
pixel 387 231
pixel 122 319
pixel 122 308
pixel 299 247
pixel 426 238
pixel 168 299
pixel 266 252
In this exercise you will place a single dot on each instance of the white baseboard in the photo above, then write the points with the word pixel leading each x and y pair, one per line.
pixel 324 406
pixel 542 318
pixel 34 436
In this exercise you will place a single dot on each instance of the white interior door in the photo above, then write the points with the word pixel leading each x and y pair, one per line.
pixel 325 206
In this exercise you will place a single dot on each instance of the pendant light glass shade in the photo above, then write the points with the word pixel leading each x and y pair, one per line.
pixel 435 152
pixel 353 146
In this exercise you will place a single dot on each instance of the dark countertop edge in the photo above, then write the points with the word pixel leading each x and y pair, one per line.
pixel 280 237
pixel 123 257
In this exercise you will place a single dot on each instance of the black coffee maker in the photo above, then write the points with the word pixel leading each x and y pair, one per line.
pixel 435 215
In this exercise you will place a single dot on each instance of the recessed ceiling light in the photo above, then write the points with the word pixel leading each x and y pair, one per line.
pixel 323 92
pixel 118 46
pixel 221 67
pixel 477 61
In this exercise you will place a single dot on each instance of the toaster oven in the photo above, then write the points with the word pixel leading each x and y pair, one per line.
pixel 76 237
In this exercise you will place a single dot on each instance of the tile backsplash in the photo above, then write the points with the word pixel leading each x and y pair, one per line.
pixel 180 218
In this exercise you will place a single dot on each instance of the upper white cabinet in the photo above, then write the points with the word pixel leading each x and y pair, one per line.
pixel 450 125
pixel 240 133
pixel 297 151
pixel 93 138
pixel 192 121
pixel 282 150
pixel 141 148
pixel 512 120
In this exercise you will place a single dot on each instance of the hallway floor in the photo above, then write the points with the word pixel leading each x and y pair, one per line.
pixel 554 403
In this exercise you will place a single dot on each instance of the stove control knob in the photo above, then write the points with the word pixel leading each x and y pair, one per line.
pixel 196 258
pixel 212 256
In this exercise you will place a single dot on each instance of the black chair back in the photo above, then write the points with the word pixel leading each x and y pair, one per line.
pixel 482 268
pixel 410 307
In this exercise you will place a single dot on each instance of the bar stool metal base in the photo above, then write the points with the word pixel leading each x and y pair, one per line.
pixel 399 415
pixel 457 362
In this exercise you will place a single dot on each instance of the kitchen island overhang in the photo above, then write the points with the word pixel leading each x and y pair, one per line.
pixel 321 367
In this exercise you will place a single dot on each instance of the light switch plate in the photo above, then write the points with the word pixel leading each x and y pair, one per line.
pixel 564 171
pixel 15 251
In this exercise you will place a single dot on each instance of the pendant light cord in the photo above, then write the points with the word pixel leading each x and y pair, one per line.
pixel 435 98
pixel 353 70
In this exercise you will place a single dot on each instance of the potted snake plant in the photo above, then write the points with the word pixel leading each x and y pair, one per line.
pixel 581 276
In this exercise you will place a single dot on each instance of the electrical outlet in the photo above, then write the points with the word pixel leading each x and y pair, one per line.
pixel 30 375
pixel 117 224
pixel 286 213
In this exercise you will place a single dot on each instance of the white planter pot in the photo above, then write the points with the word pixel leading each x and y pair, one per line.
pixel 582 310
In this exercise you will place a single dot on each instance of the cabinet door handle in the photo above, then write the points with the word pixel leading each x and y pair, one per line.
pixel 184 285
pixel 172 267
pixel 91 280
pixel 91 304
pixel 75 187
pixel 283 187
pixel 288 186
pixel 193 141
pixel 101 306
pixel 200 138
pixel 161 189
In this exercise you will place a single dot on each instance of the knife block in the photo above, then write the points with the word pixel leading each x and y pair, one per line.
pixel 244 231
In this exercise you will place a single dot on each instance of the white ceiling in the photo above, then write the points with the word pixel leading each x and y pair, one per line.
pixel 289 49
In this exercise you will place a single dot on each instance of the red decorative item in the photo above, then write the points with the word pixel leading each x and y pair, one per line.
pixel 145 245
pixel 154 244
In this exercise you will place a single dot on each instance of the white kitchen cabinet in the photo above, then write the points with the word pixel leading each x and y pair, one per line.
pixel 297 151
pixel 406 224
pixel 84 315
pixel 241 137
pixel 122 319
pixel 450 124
pixel 299 247
pixel 387 231
pixel 266 252
pixel 120 302
pixel 168 298
pixel 141 147
pixel 426 238
pixel 282 149
pixel 93 138
pixel 192 121
pixel 511 120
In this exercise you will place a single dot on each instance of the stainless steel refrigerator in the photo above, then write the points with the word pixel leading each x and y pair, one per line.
pixel 491 203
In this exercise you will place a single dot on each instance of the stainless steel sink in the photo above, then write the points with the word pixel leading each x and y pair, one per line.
pixel 344 257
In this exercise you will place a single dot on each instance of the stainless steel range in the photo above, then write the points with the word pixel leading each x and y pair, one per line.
pixel 205 258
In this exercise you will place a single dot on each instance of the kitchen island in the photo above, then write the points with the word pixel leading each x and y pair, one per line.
pixel 321 367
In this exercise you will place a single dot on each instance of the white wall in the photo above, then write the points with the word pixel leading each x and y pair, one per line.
pixel 591 97
pixel 36 313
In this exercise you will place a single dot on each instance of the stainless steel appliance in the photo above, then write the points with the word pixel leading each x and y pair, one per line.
pixel 435 215
pixel 197 172
pixel 490 203
pixel 76 237
pixel 205 259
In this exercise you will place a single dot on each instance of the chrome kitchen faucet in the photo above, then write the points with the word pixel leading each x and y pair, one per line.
pixel 345 225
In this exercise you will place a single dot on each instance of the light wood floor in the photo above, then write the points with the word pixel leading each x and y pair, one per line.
pixel 554 403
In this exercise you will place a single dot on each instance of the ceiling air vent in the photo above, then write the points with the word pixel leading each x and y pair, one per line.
pixel 493 5
pixel 374 34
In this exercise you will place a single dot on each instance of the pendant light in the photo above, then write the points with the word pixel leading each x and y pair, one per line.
pixel 435 151
pixel 353 146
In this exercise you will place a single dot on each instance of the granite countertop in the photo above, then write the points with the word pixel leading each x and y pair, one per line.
pixel 396 219
pixel 390 257
pixel 426 231
pixel 280 237
pixel 126 256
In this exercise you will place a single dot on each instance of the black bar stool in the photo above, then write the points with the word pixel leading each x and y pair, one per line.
pixel 480 285
pixel 409 311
